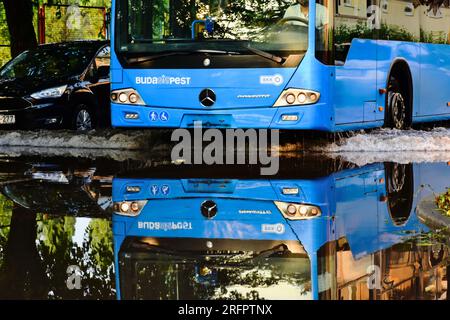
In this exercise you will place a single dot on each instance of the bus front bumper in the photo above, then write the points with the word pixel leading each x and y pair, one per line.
pixel 310 117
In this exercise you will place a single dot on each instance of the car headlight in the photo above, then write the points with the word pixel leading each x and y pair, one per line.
pixel 49 93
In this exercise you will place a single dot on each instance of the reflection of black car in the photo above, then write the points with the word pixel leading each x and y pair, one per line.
pixel 47 189
pixel 57 85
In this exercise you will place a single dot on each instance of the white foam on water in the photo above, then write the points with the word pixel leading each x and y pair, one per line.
pixel 108 139
pixel 386 145
pixel 363 158
pixel 387 140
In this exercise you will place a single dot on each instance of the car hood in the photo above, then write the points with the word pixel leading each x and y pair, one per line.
pixel 16 88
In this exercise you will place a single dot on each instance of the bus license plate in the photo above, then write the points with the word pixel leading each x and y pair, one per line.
pixel 7 119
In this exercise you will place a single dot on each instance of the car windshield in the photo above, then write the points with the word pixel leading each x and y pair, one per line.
pixel 154 26
pixel 49 62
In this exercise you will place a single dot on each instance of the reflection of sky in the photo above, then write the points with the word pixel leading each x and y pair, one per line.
pixel 80 229
pixel 283 290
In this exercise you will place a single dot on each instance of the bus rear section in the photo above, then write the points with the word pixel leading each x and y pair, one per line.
pixel 351 65
pixel 221 239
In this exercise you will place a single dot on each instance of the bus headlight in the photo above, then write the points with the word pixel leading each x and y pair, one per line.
pixel 292 97
pixel 129 208
pixel 298 211
pixel 127 96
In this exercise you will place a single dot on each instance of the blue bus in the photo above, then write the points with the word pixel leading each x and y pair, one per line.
pixel 287 64
pixel 203 238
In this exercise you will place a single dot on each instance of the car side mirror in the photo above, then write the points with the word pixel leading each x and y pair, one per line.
pixel 103 72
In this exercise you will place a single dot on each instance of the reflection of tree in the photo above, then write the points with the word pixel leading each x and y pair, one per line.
pixel 36 250
pixel 55 246
pixel 433 5
pixel 250 16
pixel 22 274
pixel 94 257
pixel 5 221
pixel 346 33
pixel 178 279
pixel 98 262
pixel 233 19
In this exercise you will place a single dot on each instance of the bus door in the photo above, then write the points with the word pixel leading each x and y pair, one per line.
pixel 356 67
pixel 357 210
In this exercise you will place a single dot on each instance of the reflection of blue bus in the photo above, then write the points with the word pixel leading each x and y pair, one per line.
pixel 218 238
pixel 255 64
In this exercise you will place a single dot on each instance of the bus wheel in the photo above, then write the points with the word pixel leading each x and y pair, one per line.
pixel 399 189
pixel 397 108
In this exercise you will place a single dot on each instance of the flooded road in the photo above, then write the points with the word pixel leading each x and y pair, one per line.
pixel 96 227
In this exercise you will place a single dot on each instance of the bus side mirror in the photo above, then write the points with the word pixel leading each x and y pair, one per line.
pixel 200 26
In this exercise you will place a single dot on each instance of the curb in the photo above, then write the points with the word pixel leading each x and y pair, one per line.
pixel 429 215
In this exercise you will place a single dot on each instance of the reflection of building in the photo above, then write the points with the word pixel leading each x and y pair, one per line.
pixel 411 16
pixel 404 271
pixel 346 222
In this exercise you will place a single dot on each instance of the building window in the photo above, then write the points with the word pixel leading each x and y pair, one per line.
pixel 409 9
pixel 384 6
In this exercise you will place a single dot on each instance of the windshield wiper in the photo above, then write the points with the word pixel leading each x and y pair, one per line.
pixel 176 53
pixel 265 54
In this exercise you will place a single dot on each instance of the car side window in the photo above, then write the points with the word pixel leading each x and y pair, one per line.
pixel 102 62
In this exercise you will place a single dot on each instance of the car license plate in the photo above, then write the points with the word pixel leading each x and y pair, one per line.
pixel 7 119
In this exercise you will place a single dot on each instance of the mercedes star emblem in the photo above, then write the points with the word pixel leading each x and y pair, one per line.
pixel 207 97
pixel 208 209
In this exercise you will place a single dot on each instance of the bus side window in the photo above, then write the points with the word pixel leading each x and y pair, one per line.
pixel 353 19
pixel 324 27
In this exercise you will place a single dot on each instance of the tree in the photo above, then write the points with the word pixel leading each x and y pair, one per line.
pixel 19 16
pixel 22 274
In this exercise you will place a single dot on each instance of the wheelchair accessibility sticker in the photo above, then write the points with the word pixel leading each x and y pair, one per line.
pixel 162 116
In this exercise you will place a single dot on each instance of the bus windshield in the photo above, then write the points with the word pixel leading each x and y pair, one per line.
pixel 155 273
pixel 228 26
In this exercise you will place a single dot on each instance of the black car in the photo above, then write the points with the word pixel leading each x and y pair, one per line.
pixel 64 85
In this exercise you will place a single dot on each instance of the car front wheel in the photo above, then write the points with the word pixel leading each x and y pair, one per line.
pixel 83 119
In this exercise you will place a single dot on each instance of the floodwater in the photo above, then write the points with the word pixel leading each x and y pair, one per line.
pixel 367 231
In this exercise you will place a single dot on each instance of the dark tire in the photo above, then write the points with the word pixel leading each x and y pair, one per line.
pixel 398 110
pixel 400 189
pixel 83 118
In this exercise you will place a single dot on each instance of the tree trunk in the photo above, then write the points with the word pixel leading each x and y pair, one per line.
pixel 19 16
pixel 22 275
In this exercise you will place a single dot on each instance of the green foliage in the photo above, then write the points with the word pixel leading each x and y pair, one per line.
pixel 5 53
pixel 99 241
pixel 234 18
pixel 389 32
pixel 443 203
pixel 64 23
pixel 430 37
pixel 94 257
pixel 5 221
pixel 93 3
pixel 88 26
pixel 56 234
pixel 345 33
